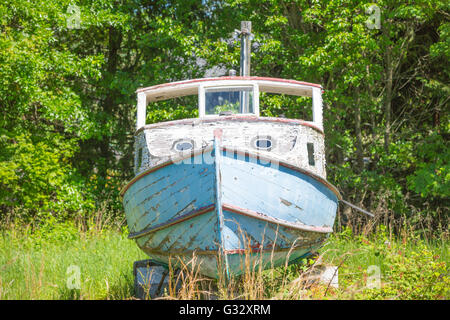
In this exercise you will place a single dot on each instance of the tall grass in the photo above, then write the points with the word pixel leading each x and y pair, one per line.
pixel 35 263
pixel 410 268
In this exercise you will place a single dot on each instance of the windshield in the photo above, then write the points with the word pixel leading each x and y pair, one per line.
pixel 229 100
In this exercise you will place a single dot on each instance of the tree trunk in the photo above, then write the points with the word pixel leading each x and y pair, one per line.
pixel 109 104
pixel 359 145
pixel 388 97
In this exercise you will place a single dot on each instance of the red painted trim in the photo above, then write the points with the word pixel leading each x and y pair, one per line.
pixel 249 118
pixel 216 252
pixel 258 250
pixel 177 83
pixel 267 218
pixel 235 209
pixel 172 222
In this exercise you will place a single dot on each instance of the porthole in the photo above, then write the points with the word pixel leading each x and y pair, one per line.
pixel 263 143
pixel 183 145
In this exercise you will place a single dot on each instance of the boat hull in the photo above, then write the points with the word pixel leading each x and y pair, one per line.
pixel 231 210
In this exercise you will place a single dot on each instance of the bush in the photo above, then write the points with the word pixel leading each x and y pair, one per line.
pixel 410 267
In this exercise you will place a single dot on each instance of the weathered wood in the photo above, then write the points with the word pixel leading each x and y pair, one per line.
pixel 141 110
pixel 220 187
pixel 317 107
pixel 289 141
pixel 275 214
pixel 190 87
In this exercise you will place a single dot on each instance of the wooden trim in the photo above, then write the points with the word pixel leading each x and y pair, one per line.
pixel 232 208
pixel 229 251
pixel 265 217
pixel 141 110
pixel 192 81
pixel 244 153
pixel 249 118
pixel 256 99
pixel 171 222
pixel 190 87
pixel 287 165
pixel 317 107
pixel 201 101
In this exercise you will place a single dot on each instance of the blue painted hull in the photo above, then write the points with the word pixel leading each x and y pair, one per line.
pixel 232 210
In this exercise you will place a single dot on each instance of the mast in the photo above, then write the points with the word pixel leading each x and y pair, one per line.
pixel 246 37
pixel 245 33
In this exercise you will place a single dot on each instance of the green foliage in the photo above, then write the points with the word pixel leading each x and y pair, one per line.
pixel 410 267
pixel 431 177
pixel 67 95
pixel 174 109
pixel 290 106
pixel 227 106
pixel 35 263
pixel 67 98
pixel 415 274
pixel 42 116
pixel 37 178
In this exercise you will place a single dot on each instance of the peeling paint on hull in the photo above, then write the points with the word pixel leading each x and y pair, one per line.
pixel 272 213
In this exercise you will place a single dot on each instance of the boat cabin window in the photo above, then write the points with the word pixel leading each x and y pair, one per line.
pixel 229 100
pixel 285 105
pixel 238 95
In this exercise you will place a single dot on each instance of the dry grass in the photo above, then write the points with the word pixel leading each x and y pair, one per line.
pixel 33 265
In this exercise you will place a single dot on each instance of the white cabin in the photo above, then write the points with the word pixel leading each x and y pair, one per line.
pixel 232 104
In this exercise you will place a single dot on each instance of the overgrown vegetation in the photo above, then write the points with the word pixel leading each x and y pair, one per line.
pixel 35 264
pixel 68 103
pixel 67 115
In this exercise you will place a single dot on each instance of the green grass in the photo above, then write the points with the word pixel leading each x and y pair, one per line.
pixel 34 265
pixel 410 267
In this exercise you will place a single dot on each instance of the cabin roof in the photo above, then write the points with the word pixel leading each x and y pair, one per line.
pixel 235 117
pixel 190 87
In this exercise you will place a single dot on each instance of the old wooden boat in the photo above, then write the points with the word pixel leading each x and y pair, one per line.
pixel 230 186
